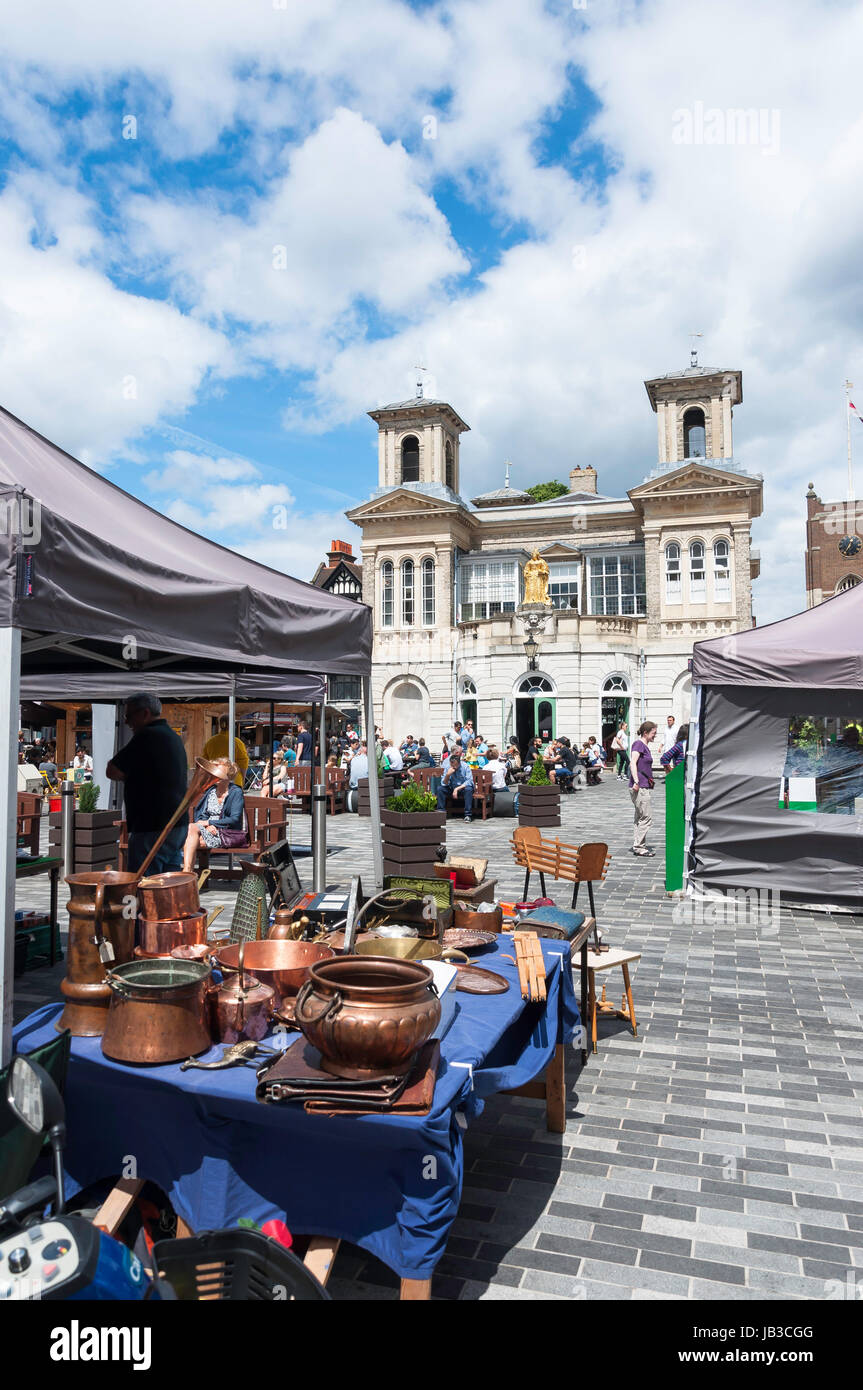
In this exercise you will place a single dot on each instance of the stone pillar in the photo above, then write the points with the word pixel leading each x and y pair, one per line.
pixel 727 445
pixel 715 450
pixel 742 594
pixel 662 437
pixel 653 583
pixel 428 447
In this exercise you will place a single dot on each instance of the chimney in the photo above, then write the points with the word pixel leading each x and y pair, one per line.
pixel 339 550
pixel 813 501
pixel 582 479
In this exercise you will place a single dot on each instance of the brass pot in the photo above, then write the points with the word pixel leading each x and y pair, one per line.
pixel 367 1016
pixel 164 897
pixel 101 906
pixel 243 1006
pixel 158 1011
pixel 158 938
pixel 283 965
pixel 406 948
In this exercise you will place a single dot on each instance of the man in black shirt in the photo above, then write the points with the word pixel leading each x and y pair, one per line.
pixel 304 745
pixel 154 772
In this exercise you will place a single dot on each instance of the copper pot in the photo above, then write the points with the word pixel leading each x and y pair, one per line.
pixel 164 897
pixel 158 938
pixel 243 1007
pixel 158 1011
pixel 284 965
pixel 287 926
pixel 368 1015
pixel 101 907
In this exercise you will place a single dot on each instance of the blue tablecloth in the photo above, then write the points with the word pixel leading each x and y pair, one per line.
pixel 389 1184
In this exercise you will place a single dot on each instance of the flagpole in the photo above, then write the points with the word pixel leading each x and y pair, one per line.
pixel 849 386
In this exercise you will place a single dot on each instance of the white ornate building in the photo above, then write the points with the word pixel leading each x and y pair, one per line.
pixel 634 580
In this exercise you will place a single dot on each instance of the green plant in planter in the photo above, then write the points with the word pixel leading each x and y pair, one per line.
pixel 412 800
pixel 538 775
pixel 88 798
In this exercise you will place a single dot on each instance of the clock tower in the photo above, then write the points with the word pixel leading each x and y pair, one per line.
pixel 834 547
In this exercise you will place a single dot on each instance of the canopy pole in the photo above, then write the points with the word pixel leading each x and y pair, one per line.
pixel 272 741
pixel 374 784
pixel 232 719
pixel 10 695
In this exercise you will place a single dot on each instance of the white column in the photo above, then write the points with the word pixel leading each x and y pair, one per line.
pixel 10 693
pixel 660 429
pixel 727 446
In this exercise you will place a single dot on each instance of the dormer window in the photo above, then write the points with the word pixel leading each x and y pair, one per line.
pixel 694 434
pixel 410 459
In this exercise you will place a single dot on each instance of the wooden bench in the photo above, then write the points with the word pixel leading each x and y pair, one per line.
pixel 28 821
pixel 337 789
pixel 575 864
pixel 267 818
pixel 483 791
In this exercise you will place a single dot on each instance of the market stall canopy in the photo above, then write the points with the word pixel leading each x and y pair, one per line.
pixel 821 648
pixel 99 582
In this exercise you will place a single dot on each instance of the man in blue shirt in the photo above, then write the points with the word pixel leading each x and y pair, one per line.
pixel 359 766
pixel 456 781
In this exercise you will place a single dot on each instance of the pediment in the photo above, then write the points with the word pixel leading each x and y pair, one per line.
pixel 559 550
pixel 400 502
pixel 694 477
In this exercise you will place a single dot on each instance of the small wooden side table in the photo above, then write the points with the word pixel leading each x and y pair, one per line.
pixel 605 960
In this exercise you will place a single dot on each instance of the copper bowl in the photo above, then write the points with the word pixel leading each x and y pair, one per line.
pixel 283 965
pixel 368 1015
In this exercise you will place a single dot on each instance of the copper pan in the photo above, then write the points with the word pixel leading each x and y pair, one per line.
pixel 159 936
pixel 164 897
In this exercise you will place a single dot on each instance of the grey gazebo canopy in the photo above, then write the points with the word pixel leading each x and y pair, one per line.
pixel 747 688
pixel 101 596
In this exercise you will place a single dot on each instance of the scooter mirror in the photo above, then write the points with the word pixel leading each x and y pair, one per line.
pixel 33 1096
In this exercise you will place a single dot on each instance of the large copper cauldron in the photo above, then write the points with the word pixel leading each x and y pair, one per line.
pixel 162 897
pixel 101 905
pixel 368 1015
pixel 159 1011
pixel 283 965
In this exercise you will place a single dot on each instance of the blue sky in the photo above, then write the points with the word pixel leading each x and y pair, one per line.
pixel 317 198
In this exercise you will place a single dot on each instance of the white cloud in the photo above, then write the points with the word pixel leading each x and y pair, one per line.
pixel 186 472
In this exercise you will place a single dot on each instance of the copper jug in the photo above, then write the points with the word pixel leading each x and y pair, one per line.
pixel 101 909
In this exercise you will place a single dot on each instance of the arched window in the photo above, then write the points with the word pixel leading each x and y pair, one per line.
pixel 694 435
pixel 408 616
pixel 615 685
pixel 721 571
pixel 410 459
pixel 697 582
pixel 450 470
pixel 535 685
pixel 387 593
pixel 849 582
pixel 428 593
pixel 468 688
pixel 673 589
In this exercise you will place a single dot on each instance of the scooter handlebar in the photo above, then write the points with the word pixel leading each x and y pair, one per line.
pixel 33 1197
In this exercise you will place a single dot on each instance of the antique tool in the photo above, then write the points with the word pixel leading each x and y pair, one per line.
pixel 368 1015
pixel 158 1011
pixel 531 965
pixel 243 1006
pixel 287 926
pixel 231 1057
pixel 207 774
pixel 101 911
pixel 283 965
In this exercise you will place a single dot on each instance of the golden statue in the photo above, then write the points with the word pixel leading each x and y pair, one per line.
pixel 536 580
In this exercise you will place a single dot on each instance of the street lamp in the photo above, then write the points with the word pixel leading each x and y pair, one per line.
pixel 531 648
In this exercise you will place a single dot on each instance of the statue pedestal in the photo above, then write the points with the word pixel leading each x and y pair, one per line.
pixel 534 616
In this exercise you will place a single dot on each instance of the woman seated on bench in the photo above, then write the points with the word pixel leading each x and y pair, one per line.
pixel 219 819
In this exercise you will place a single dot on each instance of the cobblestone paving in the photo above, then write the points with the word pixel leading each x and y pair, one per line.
pixel 717 1155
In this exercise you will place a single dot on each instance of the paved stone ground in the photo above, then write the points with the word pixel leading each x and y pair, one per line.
pixel 718 1155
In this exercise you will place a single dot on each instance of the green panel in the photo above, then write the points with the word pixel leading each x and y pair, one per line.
pixel 675 826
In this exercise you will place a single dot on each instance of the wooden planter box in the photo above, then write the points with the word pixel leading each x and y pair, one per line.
pixel 539 805
pixel 411 841
pixel 388 788
pixel 96 839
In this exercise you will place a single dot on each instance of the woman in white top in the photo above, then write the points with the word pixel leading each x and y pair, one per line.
pixel 620 746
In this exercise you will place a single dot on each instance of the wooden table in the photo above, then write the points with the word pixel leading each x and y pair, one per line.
pixel 47 864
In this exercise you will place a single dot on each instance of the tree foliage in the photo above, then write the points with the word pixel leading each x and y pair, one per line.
pixel 543 492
